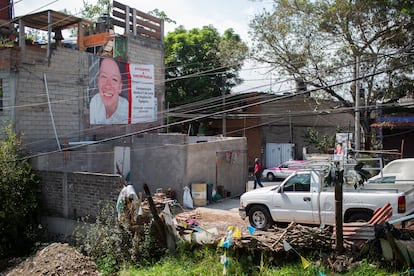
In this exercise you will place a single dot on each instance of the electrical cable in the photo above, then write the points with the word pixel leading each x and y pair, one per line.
pixel 184 121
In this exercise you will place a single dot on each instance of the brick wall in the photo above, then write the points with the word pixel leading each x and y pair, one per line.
pixel 75 195
pixel 153 54
pixel 65 80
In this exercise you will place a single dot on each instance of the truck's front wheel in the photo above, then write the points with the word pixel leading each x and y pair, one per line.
pixel 259 217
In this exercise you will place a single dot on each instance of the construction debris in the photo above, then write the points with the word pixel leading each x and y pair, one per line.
pixel 173 222
pixel 303 237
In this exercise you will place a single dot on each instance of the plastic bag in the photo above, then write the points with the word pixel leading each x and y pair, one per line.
pixel 127 191
pixel 187 199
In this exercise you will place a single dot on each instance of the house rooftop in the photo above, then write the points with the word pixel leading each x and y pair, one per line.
pixel 59 20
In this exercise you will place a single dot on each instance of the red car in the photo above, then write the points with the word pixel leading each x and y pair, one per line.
pixel 283 170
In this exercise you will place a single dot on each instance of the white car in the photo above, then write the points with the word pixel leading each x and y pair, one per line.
pixel 283 170
pixel 399 171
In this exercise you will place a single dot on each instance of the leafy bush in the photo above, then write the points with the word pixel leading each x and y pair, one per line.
pixel 111 243
pixel 18 198
pixel 323 143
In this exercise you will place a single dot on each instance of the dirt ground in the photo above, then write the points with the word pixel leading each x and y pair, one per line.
pixel 61 259
pixel 55 259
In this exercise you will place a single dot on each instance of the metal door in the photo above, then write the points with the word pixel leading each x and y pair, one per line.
pixel 278 153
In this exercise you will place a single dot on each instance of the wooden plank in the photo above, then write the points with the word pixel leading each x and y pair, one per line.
pixel 140 22
pixel 118 14
pixel 96 39
pixel 118 5
pixel 148 33
pixel 118 23
pixel 148 24
pixel 149 17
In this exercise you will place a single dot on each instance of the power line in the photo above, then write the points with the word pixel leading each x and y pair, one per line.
pixel 188 120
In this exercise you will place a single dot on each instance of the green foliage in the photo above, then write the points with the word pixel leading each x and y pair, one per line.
pixel 201 64
pixel 111 243
pixel 18 198
pixel 320 42
pixel 148 248
pixel 406 6
pixel 323 143
pixel 106 241
pixel 162 15
pixel 206 261
pixel 94 11
pixel 196 261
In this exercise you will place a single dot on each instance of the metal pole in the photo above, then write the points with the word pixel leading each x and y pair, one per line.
pixel 168 115
pixel 224 107
pixel 339 239
pixel 290 129
pixel 49 35
pixel 357 111
pixel 51 114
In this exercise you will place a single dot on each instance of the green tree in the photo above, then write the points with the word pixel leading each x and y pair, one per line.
pixel 200 63
pixel 319 43
pixel 323 143
pixel 94 11
pixel 407 6
pixel 18 198
pixel 162 15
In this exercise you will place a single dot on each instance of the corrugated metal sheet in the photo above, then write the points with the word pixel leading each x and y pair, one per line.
pixel 381 215
pixel 365 230
pixel 60 20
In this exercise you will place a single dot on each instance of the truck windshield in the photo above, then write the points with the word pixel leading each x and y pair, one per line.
pixel 298 183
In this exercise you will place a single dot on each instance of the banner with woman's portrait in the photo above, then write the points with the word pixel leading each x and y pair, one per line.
pixel 120 93
pixel 342 144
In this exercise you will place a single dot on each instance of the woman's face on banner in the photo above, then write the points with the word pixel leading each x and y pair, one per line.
pixel 109 83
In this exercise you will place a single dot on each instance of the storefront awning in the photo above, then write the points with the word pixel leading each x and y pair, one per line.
pixel 394 122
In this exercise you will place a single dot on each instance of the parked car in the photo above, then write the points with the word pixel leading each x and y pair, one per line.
pixel 283 170
pixel 399 171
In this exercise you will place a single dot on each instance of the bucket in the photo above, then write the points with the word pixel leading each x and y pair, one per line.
pixel 199 194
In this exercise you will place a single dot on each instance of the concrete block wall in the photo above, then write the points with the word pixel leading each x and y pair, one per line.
pixel 66 79
pixel 8 58
pixel 7 110
pixel 160 160
pixel 210 163
pixel 71 187
pixel 144 50
pixel 178 165
pixel 97 158
pixel 66 75
pixel 76 195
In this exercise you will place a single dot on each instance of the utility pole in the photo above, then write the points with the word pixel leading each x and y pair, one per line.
pixel 339 180
pixel 224 127
pixel 357 109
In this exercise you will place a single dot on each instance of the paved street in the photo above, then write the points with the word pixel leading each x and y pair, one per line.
pixel 232 203
pixel 250 184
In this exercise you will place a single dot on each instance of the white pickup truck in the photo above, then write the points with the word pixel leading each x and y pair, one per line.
pixel 307 197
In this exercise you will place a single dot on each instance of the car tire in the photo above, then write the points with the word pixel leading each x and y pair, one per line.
pixel 270 177
pixel 259 217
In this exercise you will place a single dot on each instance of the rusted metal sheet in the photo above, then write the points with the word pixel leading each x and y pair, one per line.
pixel 365 230
pixel 381 215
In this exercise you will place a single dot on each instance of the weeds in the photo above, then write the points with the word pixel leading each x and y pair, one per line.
pixel 111 243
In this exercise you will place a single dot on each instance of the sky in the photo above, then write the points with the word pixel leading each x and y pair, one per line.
pixel 222 14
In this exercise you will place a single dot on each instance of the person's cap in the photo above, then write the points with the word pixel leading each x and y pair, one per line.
pixel 256 159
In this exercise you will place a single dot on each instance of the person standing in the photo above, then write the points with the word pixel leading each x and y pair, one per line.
pixel 257 173
pixel 108 106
